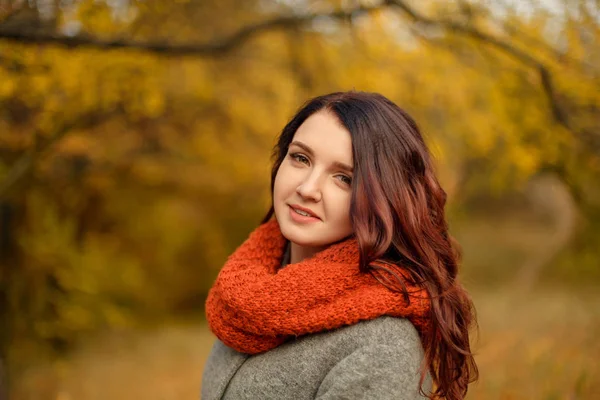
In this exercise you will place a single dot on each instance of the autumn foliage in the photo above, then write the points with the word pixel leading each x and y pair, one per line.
pixel 135 136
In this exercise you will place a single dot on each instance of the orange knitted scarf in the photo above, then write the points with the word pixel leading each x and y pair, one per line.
pixel 254 306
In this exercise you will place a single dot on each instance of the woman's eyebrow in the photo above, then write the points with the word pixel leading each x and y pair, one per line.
pixel 343 166
pixel 336 164
pixel 303 146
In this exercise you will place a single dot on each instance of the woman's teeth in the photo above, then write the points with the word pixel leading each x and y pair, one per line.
pixel 303 213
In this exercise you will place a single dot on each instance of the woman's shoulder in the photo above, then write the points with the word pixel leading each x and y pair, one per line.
pixel 380 358
pixel 384 330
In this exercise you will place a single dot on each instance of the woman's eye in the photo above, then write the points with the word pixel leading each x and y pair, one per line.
pixel 299 157
pixel 346 179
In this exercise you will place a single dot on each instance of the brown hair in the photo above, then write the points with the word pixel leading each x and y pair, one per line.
pixel 397 212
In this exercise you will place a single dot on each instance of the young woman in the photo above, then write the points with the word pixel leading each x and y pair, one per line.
pixel 351 291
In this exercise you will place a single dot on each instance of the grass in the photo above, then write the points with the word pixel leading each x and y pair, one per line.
pixel 542 345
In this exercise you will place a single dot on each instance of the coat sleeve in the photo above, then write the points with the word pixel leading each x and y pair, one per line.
pixel 375 372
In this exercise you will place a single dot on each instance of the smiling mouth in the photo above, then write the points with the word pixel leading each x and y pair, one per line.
pixel 304 214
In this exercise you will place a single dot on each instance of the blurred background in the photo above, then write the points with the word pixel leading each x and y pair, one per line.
pixel 135 141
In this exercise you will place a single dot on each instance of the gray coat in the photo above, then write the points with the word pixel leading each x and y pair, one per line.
pixel 376 359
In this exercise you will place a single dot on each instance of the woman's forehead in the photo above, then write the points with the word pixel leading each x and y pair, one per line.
pixel 325 136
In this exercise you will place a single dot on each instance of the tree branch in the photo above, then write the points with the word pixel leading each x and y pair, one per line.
pixel 214 48
pixel 223 46
pixel 558 112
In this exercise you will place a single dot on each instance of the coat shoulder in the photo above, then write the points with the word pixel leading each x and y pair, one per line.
pixel 385 330
pixel 383 363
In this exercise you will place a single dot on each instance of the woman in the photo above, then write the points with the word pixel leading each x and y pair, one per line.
pixel 350 292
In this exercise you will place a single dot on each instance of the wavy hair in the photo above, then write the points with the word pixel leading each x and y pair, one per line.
pixel 397 212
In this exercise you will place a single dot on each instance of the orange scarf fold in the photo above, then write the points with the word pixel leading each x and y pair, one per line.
pixel 255 306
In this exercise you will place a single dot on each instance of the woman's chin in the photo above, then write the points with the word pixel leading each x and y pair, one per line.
pixel 304 239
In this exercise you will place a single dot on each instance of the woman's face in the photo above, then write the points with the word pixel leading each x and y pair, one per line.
pixel 313 188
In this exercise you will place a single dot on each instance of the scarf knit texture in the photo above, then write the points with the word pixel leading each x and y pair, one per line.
pixel 255 306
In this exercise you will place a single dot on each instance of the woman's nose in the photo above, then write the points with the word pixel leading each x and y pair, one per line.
pixel 310 188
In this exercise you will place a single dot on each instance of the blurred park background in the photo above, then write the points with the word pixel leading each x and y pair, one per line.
pixel 135 139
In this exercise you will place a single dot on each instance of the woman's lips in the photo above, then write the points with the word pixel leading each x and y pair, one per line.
pixel 302 219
